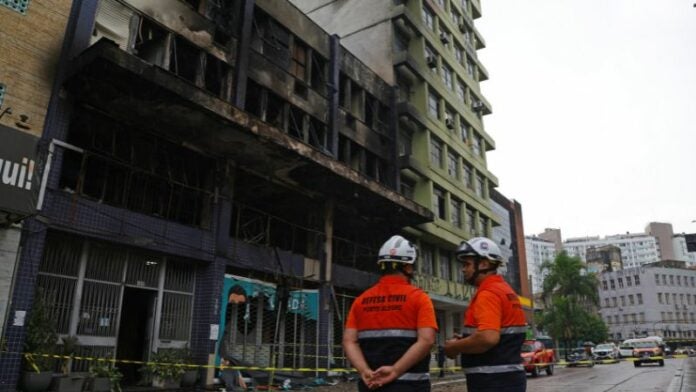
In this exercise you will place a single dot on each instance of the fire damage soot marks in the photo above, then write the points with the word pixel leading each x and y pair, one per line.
pixel 384 303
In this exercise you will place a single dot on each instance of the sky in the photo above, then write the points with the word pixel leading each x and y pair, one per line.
pixel 594 112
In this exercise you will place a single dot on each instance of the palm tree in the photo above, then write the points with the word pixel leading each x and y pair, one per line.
pixel 570 297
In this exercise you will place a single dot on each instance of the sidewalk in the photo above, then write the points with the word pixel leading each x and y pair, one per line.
pixel 685 378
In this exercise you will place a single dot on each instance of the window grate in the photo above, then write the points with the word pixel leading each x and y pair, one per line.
pixel 2 91
pixel 16 5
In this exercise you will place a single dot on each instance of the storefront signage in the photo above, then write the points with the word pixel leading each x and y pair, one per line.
pixel 19 179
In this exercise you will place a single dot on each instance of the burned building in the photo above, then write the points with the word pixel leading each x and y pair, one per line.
pixel 200 146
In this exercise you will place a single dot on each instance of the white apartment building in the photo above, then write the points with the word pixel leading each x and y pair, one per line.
pixel 538 251
pixel 636 249
pixel 680 251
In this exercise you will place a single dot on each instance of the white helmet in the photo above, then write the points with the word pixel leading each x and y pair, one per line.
pixel 481 247
pixel 397 249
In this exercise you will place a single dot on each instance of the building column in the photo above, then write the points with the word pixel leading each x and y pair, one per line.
pixel 326 309
pixel 243 48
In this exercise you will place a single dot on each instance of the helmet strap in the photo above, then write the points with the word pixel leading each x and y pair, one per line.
pixel 478 271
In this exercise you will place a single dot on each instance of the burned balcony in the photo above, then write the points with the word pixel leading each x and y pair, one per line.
pixel 125 87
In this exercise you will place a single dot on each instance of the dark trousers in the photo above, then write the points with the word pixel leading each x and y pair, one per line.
pixel 496 382
pixel 398 386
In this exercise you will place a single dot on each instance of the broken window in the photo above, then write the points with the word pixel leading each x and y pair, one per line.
pixel 298 66
pixel 318 77
pixel 343 90
pixel 274 111
pixel 215 75
pixel 370 110
pixel 185 59
pixel 273 38
pixel 357 101
pixel 296 123
pixel 130 168
pixel 254 95
pixel 317 134
pixel 344 149
pixel 151 42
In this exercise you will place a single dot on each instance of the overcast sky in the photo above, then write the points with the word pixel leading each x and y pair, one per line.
pixel 594 111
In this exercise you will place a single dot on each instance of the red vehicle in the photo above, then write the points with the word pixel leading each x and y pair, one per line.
pixel 536 357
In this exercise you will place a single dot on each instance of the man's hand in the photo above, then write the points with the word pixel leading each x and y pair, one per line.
pixel 366 377
pixel 383 376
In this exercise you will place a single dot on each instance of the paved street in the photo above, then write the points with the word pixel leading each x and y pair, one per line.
pixel 678 375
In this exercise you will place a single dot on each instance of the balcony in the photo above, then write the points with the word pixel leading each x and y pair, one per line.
pixel 124 86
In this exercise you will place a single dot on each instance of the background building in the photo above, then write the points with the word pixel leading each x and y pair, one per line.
pixel 636 249
pixel 681 250
pixel 650 300
pixel 428 50
pixel 604 258
pixel 663 233
pixel 553 235
pixel 32 38
pixel 538 252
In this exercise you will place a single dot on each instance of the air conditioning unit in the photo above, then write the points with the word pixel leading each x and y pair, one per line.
pixel 431 61
pixel 477 105
pixel 449 122
pixel 444 38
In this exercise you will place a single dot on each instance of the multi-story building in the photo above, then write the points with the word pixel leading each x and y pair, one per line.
pixel 681 250
pixel 199 149
pixel 604 258
pixel 636 249
pixel 539 251
pixel 553 235
pixel 654 299
pixel 32 37
pixel 663 233
pixel 428 50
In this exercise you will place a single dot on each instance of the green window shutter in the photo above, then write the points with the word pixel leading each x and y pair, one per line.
pixel 17 5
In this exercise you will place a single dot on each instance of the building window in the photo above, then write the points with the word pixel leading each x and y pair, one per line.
pixel 444 265
pixel 613 302
pixel 671 280
pixel 459 53
pixel 456 212
pixel 452 164
pixel 620 280
pixel 298 65
pixel 461 91
pixel 468 176
pixel 434 105
pixel 628 281
pixel 447 76
pixel 483 226
pixel 640 298
pixel 636 278
pixel 429 18
pixel 606 302
pixel 439 203
pixel 664 280
pixel 479 186
pixel 470 68
pixel 623 301
pixel 427 263
pixel 630 299
pixel 436 152
pixel 470 221
pixel 667 298
pixel 611 284
pixel 476 145
pixel 657 279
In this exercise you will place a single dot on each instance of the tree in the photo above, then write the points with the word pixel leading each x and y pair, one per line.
pixel 570 297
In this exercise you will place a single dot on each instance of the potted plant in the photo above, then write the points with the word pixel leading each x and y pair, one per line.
pixel 105 377
pixel 39 344
pixel 164 368
pixel 68 382
pixel 190 375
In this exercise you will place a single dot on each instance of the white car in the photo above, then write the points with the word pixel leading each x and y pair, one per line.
pixel 626 348
pixel 605 351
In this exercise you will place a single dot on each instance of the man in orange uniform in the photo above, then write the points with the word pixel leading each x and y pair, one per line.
pixel 494 324
pixel 391 326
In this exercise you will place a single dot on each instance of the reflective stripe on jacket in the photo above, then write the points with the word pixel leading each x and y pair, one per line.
pixel 387 317
pixel 505 356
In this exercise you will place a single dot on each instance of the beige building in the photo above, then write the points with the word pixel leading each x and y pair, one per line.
pixel 663 233
pixel 553 235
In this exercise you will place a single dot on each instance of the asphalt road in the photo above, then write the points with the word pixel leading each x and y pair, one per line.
pixel 678 375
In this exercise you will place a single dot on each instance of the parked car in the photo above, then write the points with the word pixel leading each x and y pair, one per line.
pixel 536 356
pixel 647 351
pixel 605 351
pixel 580 357
pixel 626 348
